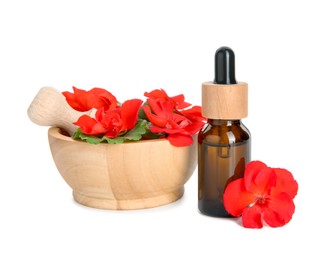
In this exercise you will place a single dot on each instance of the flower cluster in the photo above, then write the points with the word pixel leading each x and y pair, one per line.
pixel 160 116
pixel 264 194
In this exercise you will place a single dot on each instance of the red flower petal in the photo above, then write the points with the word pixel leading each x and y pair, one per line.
pixel 129 113
pixel 157 94
pixel 154 119
pixel 179 101
pixel 156 129
pixel 109 100
pixel 161 95
pixel 180 139
pixel 194 127
pixel 194 113
pixel 88 100
pixel 111 119
pixel 265 181
pixel 252 218
pixel 178 118
pixel 89 125
pixel 285 183
pixel 76 100
pixel 279 210
pixel 82 100
pixel 161 108
pixel 251 172
pixel 236 198
pixel 98 129
pixel 112 133
pixel 100 114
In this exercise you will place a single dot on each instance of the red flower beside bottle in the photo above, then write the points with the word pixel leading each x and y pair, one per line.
pixel 162 117
pixel 264 194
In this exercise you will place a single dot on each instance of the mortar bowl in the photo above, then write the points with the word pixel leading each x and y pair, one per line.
pixel 133 175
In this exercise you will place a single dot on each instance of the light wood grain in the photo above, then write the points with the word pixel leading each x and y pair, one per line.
pixel 134 175
pixel 224 101
pixel 49 108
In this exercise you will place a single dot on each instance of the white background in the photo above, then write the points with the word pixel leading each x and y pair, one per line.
pixel 285 50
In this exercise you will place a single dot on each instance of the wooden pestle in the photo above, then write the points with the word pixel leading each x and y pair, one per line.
pixel 49 108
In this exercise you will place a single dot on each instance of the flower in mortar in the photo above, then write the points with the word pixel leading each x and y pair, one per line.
pixel 113 122
pixel 82 100
pixel 169 115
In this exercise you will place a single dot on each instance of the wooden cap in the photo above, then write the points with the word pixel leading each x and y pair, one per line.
pixel 221 101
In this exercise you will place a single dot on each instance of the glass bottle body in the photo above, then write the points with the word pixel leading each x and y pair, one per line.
pixel 224 149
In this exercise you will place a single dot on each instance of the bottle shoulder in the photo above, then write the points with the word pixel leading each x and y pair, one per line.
pixel 225 133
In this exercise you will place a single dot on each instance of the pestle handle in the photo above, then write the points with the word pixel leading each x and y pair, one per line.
pixel 49 108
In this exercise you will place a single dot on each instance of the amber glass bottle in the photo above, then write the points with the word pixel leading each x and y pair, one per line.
pixel 224 146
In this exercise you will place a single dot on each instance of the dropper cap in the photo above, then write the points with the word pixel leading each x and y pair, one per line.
pixel 225 98
pixel 225 66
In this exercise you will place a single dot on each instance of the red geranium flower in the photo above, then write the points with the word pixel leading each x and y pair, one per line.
pixel 264 194
pixel 113 122
pixel 165 115
pixel 82 100
pixel 162 111
pixel 160 95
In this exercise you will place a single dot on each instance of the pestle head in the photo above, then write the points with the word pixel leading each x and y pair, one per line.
pixel 49 108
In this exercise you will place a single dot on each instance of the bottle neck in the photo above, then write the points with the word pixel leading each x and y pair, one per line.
pixel 224 122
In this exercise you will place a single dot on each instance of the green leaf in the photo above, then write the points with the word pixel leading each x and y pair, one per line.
pixel 151 135
pixel 77 134
pixel 142 114
pixel 136 133
pixel 88 138
pixel 117 140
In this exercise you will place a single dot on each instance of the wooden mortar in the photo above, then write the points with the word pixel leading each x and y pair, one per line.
pixel 134 175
